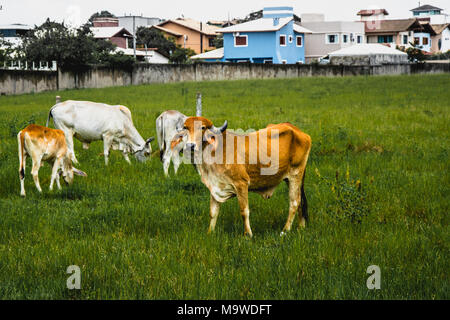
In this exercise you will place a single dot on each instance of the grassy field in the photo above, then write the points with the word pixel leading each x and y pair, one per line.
pixel 377 184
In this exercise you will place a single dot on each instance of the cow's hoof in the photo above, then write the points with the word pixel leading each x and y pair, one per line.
pixel 22 195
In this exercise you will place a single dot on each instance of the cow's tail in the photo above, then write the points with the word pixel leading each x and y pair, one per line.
pixel 21 143
pixel 161 136
pixel 49 117
pixel 304 201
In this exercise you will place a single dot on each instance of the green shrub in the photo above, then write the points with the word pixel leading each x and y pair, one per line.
pixel 349 197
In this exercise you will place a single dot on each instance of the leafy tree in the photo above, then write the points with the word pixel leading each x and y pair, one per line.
pixel 6 50
pixel 218 41
pixel 181 55
pixel 155 39
pixel 71 48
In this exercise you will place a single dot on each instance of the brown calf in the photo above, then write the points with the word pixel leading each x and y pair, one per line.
pixel 45 144
pixel 243 165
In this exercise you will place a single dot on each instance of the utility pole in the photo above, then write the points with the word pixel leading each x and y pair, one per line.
pixel 201 37
pixel 134 37
pixel 199 105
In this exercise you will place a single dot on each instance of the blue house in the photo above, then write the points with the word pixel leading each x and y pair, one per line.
pixel 275 38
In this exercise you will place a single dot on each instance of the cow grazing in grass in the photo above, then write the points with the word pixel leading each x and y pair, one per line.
pixel 232 165
pixel 168 124
pixel 89 121
pixel 45 144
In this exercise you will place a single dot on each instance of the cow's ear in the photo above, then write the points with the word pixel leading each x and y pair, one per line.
pixel 177 139
pixel 211 139
pixel 149 140
pixel 79 172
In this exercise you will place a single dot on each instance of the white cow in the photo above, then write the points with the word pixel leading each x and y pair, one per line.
pixel 168 124
pixel 90 121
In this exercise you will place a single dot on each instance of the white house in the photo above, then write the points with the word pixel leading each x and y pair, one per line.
pixel 329 36
pixel 12 32
pixel 149 55
pixel 368 54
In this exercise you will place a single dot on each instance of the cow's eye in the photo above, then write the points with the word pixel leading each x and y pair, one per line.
pixel 203 127
pixel 185 128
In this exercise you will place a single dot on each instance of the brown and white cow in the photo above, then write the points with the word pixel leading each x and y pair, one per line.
pixel 45 144
pixel 232 165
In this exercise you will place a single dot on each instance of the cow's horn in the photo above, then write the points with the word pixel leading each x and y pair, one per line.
pixel 222 128
pixel 149 140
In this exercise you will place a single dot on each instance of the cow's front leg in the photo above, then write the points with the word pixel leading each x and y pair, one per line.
pixel 213 213
pixel 70 146
pixel 57 181
pixel 176 159
pixel 55 175
pixel 125 156
pixel 107 143
pixel 35 172
pixel 245 211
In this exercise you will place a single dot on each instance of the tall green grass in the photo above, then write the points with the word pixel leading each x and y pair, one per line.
pixel 137 235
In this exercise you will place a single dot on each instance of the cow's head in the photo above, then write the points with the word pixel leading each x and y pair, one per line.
pixel 199 132
pixel 68 170
pixel 142 154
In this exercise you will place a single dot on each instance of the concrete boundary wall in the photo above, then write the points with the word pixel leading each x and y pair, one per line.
pixel 20 82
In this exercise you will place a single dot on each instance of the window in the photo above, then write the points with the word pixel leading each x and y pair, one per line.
pixel 405 39
pixel 345 38
pixel 332 39
pixel 385 39
pixel 440 44
pixel 283 40
pixel 240 41
pixel 416 41
pixel 359 39
pixel 299 41
pixel 291 38
pixel 211 42
pixel 425 41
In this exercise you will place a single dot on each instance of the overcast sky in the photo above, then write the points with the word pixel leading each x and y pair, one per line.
pixel 78 11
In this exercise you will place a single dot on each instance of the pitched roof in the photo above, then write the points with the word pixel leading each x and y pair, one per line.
pixel 176 34
pixel 439 28
pixel 299 29
pixel 371 12
pixel 366 49
pixel 426 7
pixel 397 25
pixel 213 54
pixel 16 26
pixel 263 24
pixel 109 32
pixel 194 25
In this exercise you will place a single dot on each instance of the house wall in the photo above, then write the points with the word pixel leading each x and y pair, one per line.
pixel 127 22
pixel 444 37
pixel 266 45
pixel 422 36
pixel 193 41
pixel 289 53
pixel 259 45
pixel 316 45
pixel 155 57
pixel 121 42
